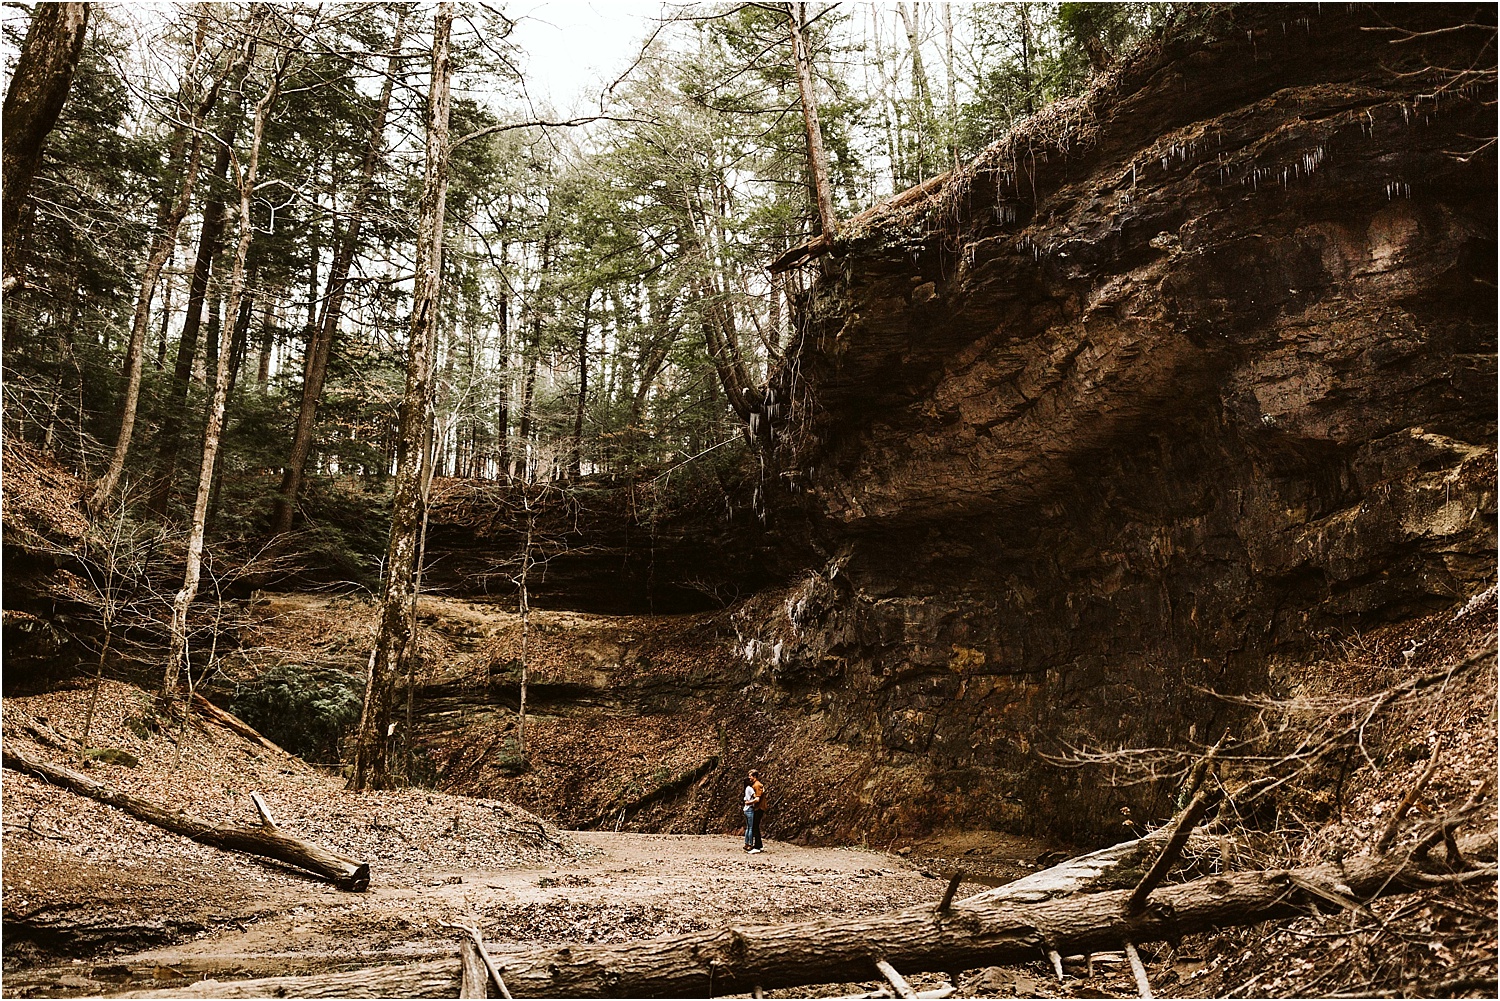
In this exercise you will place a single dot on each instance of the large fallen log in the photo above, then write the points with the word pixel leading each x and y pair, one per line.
pixel 841 950
pixel 266 841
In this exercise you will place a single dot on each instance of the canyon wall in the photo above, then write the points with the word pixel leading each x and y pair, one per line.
pixel 1183 388
pixel 1175 386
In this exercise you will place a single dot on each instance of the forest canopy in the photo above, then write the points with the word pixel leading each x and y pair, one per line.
pixel 604 294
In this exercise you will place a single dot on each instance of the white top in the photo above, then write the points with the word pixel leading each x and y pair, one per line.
pixel 750 797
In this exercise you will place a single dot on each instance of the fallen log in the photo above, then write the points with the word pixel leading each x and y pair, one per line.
pixel 234 724
pixel 44 734
pixel 821 244
pixel 841 950
pixel 1182 830
pixel 802 252
pixel 476 979
pixel 265 841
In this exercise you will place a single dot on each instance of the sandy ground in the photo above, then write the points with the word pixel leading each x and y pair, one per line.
pixel 626 886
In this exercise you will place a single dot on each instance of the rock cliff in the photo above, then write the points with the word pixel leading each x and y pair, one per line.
pixel 1176 384
pixel 1186 386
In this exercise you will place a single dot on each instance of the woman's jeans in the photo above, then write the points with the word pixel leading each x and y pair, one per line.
pixel 749 827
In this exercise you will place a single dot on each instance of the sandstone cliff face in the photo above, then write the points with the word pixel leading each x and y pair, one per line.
pixel 1187 387
pixel 1176 386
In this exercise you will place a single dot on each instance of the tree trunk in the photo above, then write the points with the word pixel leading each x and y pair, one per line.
pixel 530 353
pixel 177 649
pixel 1026 59
pixel 576 469
pixel 817 159
pixel 921 90
pixel 659 308
pixel 237 341
pixel 720 338
pixel 161 249
pixel 371 761
pixel 263 352
pixel 952 82
pixel 969 934
pixel 166 315
pixel 525 608
pixel 1116 867
pixel 233 723
pixel 170 438
pixel 502 373
pixel 265 841
pixel 528 397
pixel 38 89
pixel 476 979
pixel 315 365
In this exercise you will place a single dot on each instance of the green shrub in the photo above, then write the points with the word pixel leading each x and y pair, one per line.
pixel 307 710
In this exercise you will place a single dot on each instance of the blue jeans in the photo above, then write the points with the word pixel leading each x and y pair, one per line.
pixel 749 827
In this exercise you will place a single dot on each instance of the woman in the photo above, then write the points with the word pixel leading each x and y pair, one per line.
pixel 752 799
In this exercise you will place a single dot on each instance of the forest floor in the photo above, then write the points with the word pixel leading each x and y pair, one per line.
pixel 97 902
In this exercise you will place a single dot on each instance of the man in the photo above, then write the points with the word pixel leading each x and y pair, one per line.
pixel 759 810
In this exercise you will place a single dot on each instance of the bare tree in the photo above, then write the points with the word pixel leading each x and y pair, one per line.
pixel 245 173
pixel 168 223
pixel 394 640
pixel 210 238
pixel 315 366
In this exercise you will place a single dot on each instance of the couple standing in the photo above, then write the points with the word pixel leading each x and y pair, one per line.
pixel 755 812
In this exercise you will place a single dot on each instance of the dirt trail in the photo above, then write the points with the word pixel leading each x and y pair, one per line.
pixel 625 886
